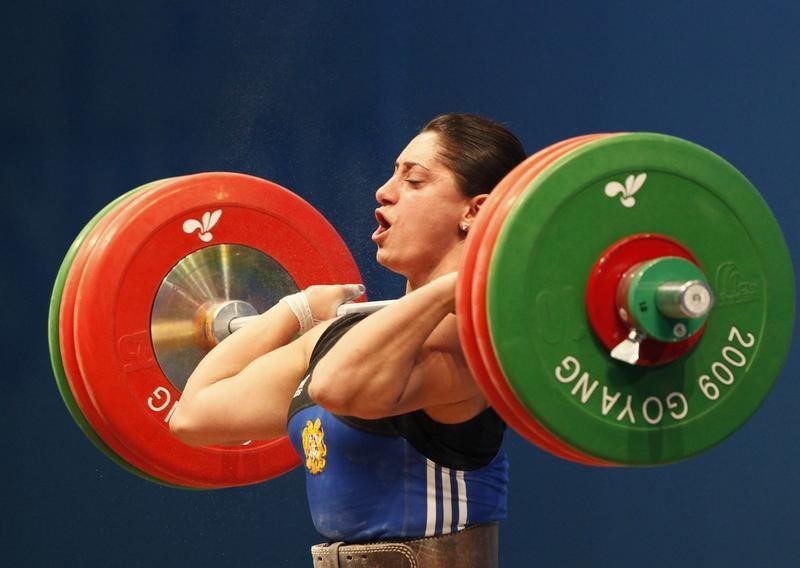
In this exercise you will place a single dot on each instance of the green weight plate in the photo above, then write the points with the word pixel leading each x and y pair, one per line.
pixel 54 339
pixel 566 218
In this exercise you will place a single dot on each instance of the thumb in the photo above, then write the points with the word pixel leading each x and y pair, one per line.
pixel 352 291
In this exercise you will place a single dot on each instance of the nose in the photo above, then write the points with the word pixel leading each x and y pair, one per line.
pixel 385 194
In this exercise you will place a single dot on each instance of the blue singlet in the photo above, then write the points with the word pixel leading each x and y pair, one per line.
pixel 399 477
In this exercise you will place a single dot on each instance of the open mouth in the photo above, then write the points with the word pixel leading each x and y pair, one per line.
pixel 383 225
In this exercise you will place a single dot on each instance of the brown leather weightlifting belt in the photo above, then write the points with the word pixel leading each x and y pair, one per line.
pixel 473 547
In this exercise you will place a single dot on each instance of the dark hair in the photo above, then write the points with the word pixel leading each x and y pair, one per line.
pixel 479 151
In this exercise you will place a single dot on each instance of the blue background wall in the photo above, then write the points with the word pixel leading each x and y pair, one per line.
pixel 99 97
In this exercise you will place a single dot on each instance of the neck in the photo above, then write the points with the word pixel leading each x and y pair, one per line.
pixel 448 263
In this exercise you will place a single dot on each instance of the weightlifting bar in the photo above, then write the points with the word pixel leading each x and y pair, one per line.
pixel 226 325
pixel 690 299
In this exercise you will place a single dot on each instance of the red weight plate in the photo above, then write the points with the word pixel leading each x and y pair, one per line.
pixel 519 421
pixel 475 338
pixel 480 321
pixel 478 297
pixel 119 285
pixel 468 338
pixel 72 370
pixel 601 293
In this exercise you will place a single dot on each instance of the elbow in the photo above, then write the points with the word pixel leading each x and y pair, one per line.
pixel 324 393
pixel 346 396
pixel 336 397
pixel 341 404
pixel 184 429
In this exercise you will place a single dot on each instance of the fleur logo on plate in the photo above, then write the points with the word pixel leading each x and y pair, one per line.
pixel 209 219
pixel 626 192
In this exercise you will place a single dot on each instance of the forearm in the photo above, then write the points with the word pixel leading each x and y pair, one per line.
pixel 242 388
pixel 368 370
pixel 236 393
pixel 272 329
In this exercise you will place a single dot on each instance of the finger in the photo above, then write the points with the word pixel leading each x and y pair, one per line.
pixel 353 291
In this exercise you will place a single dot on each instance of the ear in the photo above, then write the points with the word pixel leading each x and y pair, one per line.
pixel 471 210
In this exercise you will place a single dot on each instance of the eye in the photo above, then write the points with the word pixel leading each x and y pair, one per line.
pixel 414 181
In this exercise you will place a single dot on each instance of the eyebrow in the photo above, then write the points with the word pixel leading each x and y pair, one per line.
pixel 409 165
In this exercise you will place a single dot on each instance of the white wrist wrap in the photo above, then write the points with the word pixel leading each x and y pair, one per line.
pixel 298 303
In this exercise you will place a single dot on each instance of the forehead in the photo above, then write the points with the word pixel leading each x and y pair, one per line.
pixel 423 149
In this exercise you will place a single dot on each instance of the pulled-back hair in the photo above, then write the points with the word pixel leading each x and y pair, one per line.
pixel 479 151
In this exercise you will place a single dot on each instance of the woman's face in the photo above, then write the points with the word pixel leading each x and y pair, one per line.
pixel 421 207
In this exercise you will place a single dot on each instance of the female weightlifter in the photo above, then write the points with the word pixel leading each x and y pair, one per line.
pixel 403 455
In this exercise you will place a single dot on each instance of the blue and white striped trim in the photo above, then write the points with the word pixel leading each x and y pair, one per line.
pixel 446 506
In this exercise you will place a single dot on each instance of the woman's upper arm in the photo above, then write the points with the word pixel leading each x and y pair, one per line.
pixel 438 381
pixel 442 384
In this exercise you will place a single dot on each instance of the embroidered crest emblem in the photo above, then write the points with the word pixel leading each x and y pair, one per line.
pixel 314 446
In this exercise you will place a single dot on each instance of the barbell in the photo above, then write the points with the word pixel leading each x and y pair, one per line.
pixel 623 300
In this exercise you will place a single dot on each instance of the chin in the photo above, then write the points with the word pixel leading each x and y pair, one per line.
pixel 384 260
pixel 389 263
